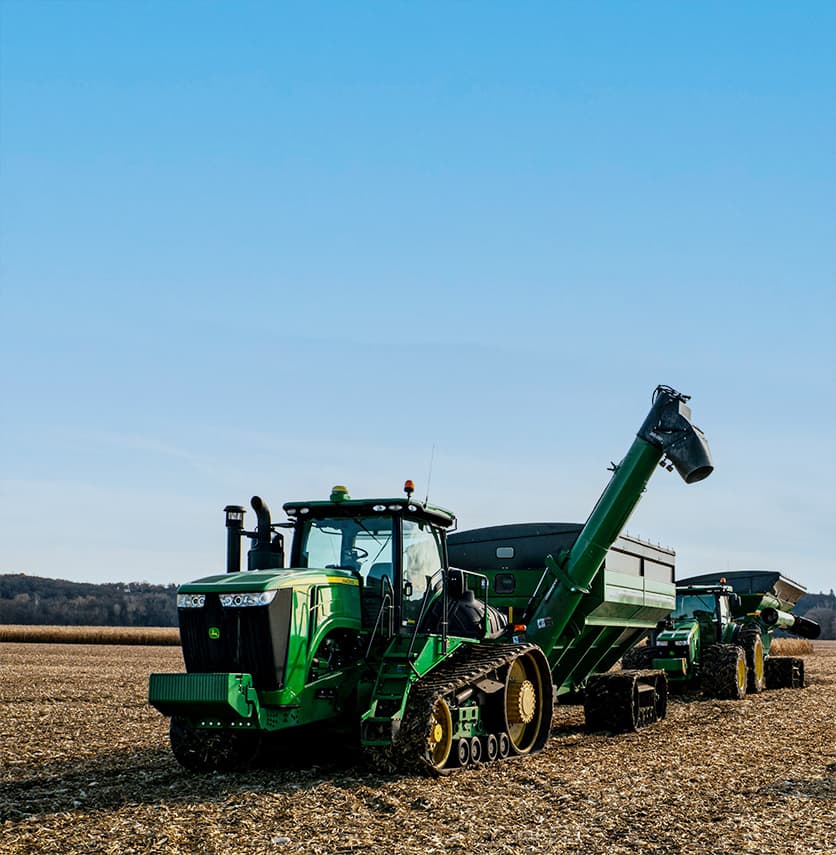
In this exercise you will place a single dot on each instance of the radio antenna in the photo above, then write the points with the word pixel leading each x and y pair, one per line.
pixel 430 473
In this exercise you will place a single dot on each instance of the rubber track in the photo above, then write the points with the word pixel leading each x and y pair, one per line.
pixel 609 701
pixel 459 672
pixel 784 672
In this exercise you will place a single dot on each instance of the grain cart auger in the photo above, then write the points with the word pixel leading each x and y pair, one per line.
pixel 719 636
pixel 370 635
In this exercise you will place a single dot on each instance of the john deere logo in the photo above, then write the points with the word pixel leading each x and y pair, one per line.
pixel 214 632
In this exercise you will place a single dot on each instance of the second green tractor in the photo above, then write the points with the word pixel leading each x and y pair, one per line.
pixel 718 639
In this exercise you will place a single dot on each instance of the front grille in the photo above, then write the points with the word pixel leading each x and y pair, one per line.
pixel 251 640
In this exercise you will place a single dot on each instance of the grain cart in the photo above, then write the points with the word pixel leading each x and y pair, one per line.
pixel 719 635
pixel 625 600
pixel 371 635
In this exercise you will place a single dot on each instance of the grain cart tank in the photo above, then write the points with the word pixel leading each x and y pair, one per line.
pixel 372 635
pixel 626 599
pixel 720 633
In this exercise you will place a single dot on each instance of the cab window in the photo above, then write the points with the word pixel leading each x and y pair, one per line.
pixel 421 557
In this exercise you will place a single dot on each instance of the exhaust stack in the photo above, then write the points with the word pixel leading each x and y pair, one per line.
pixel 267 552
pixel 234 529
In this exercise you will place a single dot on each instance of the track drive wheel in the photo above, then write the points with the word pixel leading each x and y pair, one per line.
pixel 528 702
pixel 724 672
pixel 201 750
pixel 752 644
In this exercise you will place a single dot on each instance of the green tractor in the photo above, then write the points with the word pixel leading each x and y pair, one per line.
pixel 372 636
pixel 719 636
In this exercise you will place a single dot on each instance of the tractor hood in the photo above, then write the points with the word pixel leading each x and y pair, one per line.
pixel 267 580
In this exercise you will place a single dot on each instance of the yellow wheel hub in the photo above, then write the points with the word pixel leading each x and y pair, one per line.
pixel 522 702
pixel 439 735
pixel 759 661
pixel 741 673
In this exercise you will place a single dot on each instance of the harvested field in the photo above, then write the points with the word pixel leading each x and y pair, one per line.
pixel 85 767
pixel 154 635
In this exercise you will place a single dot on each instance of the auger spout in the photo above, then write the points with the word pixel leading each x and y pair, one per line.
pixel 668 427
pixel 795 624
pixel 667 432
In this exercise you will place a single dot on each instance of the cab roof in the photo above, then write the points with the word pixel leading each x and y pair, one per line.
pixel 348 507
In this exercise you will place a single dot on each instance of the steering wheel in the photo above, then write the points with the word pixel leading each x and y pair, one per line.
pixel 359 552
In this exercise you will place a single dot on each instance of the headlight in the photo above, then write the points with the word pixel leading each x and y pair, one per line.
pixel 681 643
pixel 239 600
pixel 190 601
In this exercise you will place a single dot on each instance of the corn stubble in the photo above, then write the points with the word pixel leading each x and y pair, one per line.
pixel 85 767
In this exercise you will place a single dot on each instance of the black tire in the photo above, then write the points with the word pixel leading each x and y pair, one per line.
pixel 752 643
pixel 638 658
pixel 784 672
pixel 202 751
pixel 723 673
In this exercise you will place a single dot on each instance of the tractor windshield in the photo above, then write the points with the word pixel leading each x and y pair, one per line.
pixel 360 544
pixel 690 605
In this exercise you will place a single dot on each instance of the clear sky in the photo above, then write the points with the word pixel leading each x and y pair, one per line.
pixel 271 247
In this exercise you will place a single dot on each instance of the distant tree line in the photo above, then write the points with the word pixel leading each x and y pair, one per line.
pixel 32 600
pixel 54 602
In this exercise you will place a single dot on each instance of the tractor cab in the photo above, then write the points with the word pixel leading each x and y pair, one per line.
pixel 708 605
pixel 396 551
pixel 394 548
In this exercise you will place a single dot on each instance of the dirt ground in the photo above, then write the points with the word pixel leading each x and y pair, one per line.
pixel 85 767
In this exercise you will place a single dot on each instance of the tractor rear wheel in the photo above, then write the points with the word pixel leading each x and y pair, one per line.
pixel 724 672
pixel 752 644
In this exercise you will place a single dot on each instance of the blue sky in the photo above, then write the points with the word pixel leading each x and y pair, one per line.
pixel 270 247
